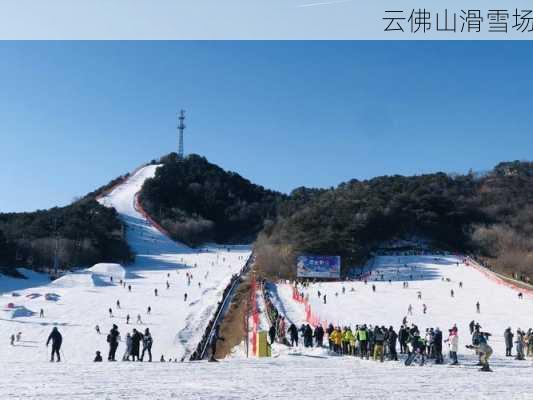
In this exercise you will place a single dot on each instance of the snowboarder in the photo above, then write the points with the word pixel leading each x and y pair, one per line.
pixel 112 339
pixel 147 345
pixel 484 351
pixel 56 339
pixel 98 357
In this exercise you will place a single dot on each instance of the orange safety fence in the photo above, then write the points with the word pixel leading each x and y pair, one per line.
pixel 312 318
pixel 495 278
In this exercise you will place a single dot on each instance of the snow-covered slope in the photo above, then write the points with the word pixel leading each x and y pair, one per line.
pixel 77 302
pixel 435 277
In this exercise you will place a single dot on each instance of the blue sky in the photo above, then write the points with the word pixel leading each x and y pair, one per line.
pixel 74 115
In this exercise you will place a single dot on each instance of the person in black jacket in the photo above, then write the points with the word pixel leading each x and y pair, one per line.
pixel 391 341
pixel 272 334
pixel 56 339
pixel 319 335
pixel 403 336
pixel 147 345
pixel 112 339
pixel 136 338
pixel 293 334
pixel 437 346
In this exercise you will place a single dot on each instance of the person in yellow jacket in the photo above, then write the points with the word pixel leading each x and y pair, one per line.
pixel 347 341
pixel 336 337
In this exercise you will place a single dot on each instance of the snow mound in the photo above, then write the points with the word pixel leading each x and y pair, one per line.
pixel 80 279
pixel 21 311
pixel 110 270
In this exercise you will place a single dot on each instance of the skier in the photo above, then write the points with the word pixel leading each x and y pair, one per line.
pixel 214 339
pixel 41 313
pixel 112 339
pixel 293 334
pixel 136 338
pixel 147 345
pixel 139 320
pixel 12 340
pixel 98 357
pixel 460 285
pixel 127 319
pixel 149 310
pixel 168 285
pixel 451 292
pixel 419 295
pixel 437 346
pixel 478 308
pixel 110 312
pixel 97 329
pixel 325 299
pixel 185 297
pixel 118 304
pixel 410 310
pixel 424 308
pixel 155 292
pixel 403 335
pixel 19 336
pixel 508 336
pixel 308 336
pixel 56 339
pixel 520 296
pixel 129 288
pixel 373 288
pixel 319 335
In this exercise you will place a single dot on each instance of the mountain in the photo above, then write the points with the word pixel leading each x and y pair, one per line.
pixel 197 202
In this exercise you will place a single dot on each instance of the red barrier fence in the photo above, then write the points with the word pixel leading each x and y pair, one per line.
pixel 312 318
pixel 497 279
pixel 254 314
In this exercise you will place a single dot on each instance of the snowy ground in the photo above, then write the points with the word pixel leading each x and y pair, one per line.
pixel 82 299
pixel 500 306
pixel 277 378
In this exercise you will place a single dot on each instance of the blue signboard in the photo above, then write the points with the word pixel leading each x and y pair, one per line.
pixel 318 267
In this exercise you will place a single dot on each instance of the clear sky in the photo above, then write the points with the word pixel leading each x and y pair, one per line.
pixel 74 115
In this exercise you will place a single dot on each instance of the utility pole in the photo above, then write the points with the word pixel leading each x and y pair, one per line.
pixel 181 128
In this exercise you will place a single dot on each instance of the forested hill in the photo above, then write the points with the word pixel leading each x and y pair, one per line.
pixel 490 215
pixel 196 202
pixel 86 233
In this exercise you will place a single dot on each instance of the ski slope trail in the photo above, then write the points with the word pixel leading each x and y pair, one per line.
pixel 77 302
pixel 434 277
